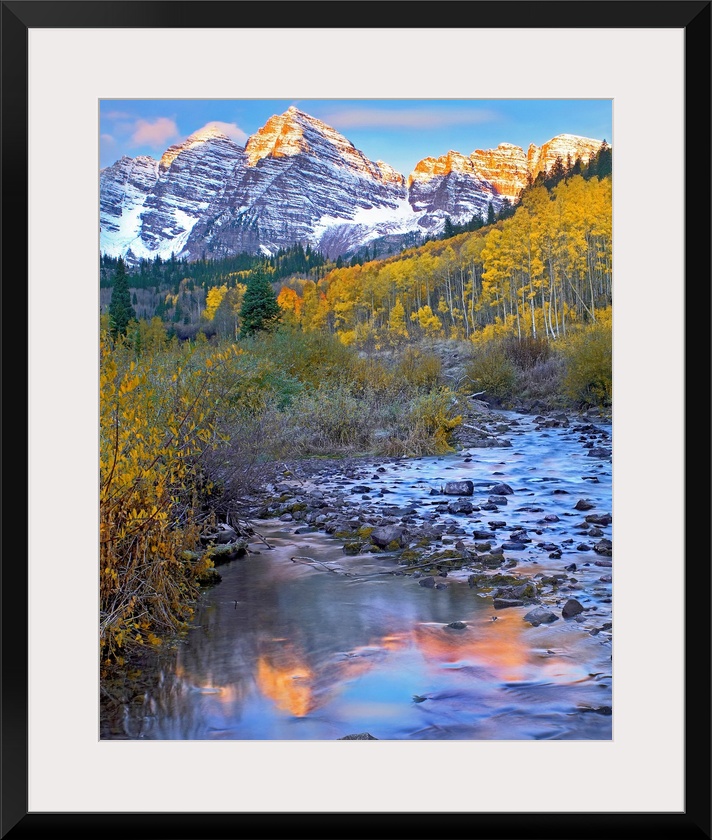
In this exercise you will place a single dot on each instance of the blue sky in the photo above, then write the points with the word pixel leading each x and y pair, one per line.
pixel 399 132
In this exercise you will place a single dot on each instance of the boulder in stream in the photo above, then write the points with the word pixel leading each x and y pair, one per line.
pixel 386 535
pixel 359 736
pixel 540 616
pixel 571 608
pixel 459 488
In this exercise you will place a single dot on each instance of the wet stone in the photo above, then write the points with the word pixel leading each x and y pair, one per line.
pixel 459 488
pixel 599 452
pixel 359 736
pixel 599 519
pixel 540 615
pixel 459 507
pixel 501 489
pixel 505 603
pixel 572 608
pixel 584 504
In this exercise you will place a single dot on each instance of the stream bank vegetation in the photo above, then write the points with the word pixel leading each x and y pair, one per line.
pixel 233 368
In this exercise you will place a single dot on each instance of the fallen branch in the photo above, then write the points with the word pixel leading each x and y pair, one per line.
pixel 310 561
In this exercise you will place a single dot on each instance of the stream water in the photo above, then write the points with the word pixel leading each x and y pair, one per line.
pixel 288 650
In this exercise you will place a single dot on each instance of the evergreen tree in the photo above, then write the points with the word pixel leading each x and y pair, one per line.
pixel 260 310
pixel 120 309
pixel 604 161
pixel 491 219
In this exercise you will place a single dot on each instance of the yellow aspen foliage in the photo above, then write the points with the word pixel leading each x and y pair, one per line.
pixel 213 299
pixel 396 319
pixel 428 321
pixel 158 418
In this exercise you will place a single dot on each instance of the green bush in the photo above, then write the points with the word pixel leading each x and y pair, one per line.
pixel 491 371
pixel 425 427
pixel 527 352
pixel 588 354
pixel 418 368
pixel 328 419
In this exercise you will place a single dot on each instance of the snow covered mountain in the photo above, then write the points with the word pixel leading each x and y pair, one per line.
pixel 299 180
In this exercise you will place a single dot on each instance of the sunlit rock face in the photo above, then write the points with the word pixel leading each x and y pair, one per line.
pixel 299 180
pixel 566 146
pixel 459 186
pixel 449 186
pixel 505 168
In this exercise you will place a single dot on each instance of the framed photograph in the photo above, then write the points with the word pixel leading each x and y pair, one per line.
pixel 605 736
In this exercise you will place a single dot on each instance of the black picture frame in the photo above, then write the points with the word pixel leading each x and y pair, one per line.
pixel 16 821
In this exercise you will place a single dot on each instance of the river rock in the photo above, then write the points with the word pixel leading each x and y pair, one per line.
pixel 497 500
pixel 501 489
pixel 427 582
pixel 456 625
pixel 504 603
pixel 223 535
pixel 459 488
pixel 540 615
pixel 584 504
pixel 460 506
pixel 599 519
pixel 360 736
pixel 604 547
pixel 387 534
pixel 524 590
pixel 599 452
pixel 479 534
pixel 571 608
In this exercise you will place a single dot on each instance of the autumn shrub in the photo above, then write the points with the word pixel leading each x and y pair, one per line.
pixel 419 368
pixel 526 351
pixel 308 357
pixel 327 419
pixel 543 381
pixel 371 377
pixel 491 371
pixel 163 416
pixel 588 357
pixel 424 427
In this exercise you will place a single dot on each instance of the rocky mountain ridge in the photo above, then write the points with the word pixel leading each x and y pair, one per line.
pixel 299 180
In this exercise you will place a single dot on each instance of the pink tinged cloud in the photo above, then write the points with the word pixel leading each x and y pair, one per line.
pixel 154 134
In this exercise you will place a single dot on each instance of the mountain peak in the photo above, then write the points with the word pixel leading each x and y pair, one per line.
pixel 206 134
pixel 281 136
